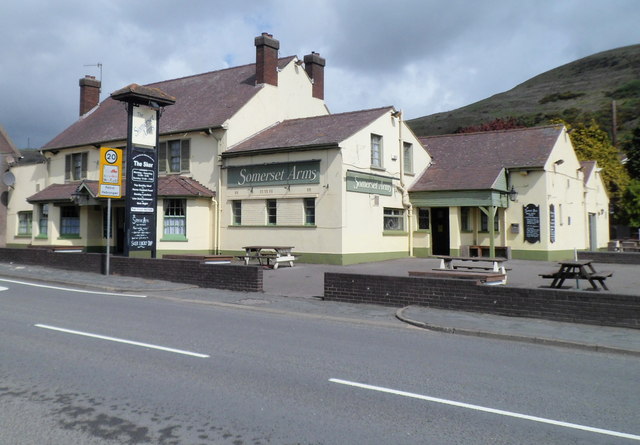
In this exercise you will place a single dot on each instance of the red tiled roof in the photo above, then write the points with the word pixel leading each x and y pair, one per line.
pixel 202 101
pixel 318 131
pixel 473 161
pixel 172 185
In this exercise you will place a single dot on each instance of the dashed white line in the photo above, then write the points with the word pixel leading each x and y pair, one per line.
pixel 487 410
pixel 121 340
pixel 72 290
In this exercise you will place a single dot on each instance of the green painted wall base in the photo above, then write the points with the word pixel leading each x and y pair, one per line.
pixel 542 255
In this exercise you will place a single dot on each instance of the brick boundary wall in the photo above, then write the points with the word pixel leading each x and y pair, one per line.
pixel 598 308
pixel 218 276
pixel 611 257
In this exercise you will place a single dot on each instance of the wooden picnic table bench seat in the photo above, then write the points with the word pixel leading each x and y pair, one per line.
pixel 484 277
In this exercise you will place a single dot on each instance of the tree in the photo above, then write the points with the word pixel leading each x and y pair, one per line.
pixel 496 124
pixel 593 144
pixel 632 149
pixel 631 203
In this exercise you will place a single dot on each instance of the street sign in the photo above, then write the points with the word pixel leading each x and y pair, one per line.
pixel 110 173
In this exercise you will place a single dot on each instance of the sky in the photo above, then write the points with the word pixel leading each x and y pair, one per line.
pixel 421 56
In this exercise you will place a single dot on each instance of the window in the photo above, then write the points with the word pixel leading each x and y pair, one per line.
pixel 173 156
pixel 69 221
pixel 310 211
pixel 272 212
pixel 465 219
pixel 376 151
pixel 43 222
pixel 25 221
pixel 236 208
pixel 408 157
pixel 423 219
pixel 484 222
pixel 75 166
pixel 393 219
pixel 175 221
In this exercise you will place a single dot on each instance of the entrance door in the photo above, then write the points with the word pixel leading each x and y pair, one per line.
pixel 593 232
pixel 440 231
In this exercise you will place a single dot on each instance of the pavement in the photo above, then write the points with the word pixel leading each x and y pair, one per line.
pixel 298 290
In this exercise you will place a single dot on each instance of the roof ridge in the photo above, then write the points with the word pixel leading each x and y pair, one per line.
pixel 213 71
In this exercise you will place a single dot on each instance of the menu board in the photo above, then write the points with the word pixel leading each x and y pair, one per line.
pixel 531 216
pixel 552 223
pixel 141 199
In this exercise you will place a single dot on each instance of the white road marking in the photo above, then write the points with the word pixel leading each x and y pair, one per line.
pixel 121 340
pixel 3 288
pixel 72 290
pixel 487 410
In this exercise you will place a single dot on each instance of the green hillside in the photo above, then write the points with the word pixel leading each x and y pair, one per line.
pixel 576 92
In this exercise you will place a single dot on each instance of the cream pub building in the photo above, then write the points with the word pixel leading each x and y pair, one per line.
pixel 250 155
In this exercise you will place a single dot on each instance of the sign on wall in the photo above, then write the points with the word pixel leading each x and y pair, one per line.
pixel 369 183
pixel 286 173
pixel 552 223
pixel 531 215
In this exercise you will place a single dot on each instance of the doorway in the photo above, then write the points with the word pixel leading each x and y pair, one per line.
pixel 440 231
pixel 118 230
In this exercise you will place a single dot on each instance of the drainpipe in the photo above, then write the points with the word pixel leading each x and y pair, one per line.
pixel 406 203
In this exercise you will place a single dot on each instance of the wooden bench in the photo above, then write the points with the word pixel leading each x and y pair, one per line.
pixel 479 251
pixel 481 277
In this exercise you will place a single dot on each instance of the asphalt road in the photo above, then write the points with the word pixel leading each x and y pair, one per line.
pixel 94 368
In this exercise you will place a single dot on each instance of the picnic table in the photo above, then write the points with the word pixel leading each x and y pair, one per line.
pixel 266 255
pixel 458 266
pixel 578 270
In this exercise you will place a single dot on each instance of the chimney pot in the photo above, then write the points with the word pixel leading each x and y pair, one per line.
pixel 267 59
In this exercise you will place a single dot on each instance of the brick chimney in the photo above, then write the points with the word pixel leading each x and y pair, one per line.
pixel 314 66
pixel 267 59
pixel 89 94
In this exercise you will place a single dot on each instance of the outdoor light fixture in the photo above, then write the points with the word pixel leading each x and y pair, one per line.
pixel 513 194
pixel 559 162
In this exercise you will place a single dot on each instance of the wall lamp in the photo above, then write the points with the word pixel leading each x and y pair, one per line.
pixel 513 194
pixel 559 162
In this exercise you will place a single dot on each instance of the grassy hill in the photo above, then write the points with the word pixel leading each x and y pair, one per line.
pixel 576 92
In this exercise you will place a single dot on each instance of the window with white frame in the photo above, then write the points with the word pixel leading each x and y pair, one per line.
pixel 376 151
pixel 75 166
pixel 393 219
pixel 43 221
pixel 272 212
pixel 174 156
pixel 69 221
pixel 407 157
pixel 25 222
pixel 309 211
pixel 236 209
pixel 175 219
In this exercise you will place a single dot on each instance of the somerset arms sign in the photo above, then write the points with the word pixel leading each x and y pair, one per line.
pixel 369 183
pixel 285 173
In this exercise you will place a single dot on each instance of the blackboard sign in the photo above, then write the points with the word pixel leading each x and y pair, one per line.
pixel 141 199
pixel 531 215
pixel 552 223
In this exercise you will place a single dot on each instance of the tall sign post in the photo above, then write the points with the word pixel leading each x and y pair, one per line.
pixel 144 106
pixel 110 185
